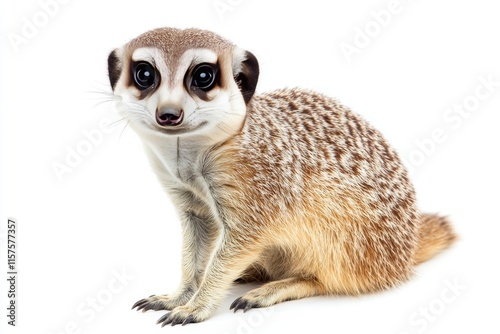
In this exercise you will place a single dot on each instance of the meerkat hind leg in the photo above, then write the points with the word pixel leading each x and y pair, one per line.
pixel 254 273
pixel 278 291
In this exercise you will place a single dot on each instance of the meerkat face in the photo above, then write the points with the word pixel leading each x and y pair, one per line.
pixel 170 82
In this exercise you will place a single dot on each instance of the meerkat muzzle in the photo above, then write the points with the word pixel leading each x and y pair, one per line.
pixel 169 116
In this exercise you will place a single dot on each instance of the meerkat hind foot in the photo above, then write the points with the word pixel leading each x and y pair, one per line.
pixel 278 291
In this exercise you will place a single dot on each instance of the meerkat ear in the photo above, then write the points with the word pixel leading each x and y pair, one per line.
pixel 246 72
pixel 114 68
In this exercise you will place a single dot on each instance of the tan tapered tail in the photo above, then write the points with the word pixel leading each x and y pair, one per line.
pixel 436 234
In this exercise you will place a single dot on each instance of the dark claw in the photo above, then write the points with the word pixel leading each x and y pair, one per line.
pixel 168 319
pixel 235 303
pixel 175 321
pixel 188 320
pixel 166 322
pixel 146 305
pixel 155 306
pixel 249 306
pixel 163 318
pixel 242 304
pixel 139 303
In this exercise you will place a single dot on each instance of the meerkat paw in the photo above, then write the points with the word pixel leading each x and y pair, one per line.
pixel 242 303
pixel 184 315
pixel 276 292
pixel 162 302
pixel 254 299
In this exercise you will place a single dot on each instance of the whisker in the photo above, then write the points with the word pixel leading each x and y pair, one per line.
pixel 99 92
pixel 118 121
pixel 123 130
pixel 97 104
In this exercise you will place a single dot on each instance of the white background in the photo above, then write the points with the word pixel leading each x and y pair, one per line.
pixel 109 215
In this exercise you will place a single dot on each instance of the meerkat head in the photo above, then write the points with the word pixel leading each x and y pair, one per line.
pixel 172 82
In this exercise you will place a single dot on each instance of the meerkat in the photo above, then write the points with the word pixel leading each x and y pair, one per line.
pixel 289 188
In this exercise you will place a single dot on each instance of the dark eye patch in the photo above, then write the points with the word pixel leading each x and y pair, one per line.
pixel 145 77
pixel 202 78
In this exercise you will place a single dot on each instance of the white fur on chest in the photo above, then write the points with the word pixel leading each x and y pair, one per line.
pixel 174 159
pixel 177 164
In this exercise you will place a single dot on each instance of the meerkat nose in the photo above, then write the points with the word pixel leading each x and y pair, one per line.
pixel 169 116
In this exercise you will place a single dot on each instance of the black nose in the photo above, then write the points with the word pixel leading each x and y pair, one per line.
pixel 169 116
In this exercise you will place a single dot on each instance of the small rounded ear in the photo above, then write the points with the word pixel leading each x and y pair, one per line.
pixel 114 68
pixel 246 72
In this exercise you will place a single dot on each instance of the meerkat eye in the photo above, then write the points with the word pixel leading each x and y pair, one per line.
pixel 144 75
pixel 204 76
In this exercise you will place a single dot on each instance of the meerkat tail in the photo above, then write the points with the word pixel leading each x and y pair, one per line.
pixel 436 234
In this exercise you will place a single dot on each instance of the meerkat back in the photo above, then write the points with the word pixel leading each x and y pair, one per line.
pixel 289 188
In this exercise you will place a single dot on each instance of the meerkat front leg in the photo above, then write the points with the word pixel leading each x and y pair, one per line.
pixel 198 236
pixel 230 258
